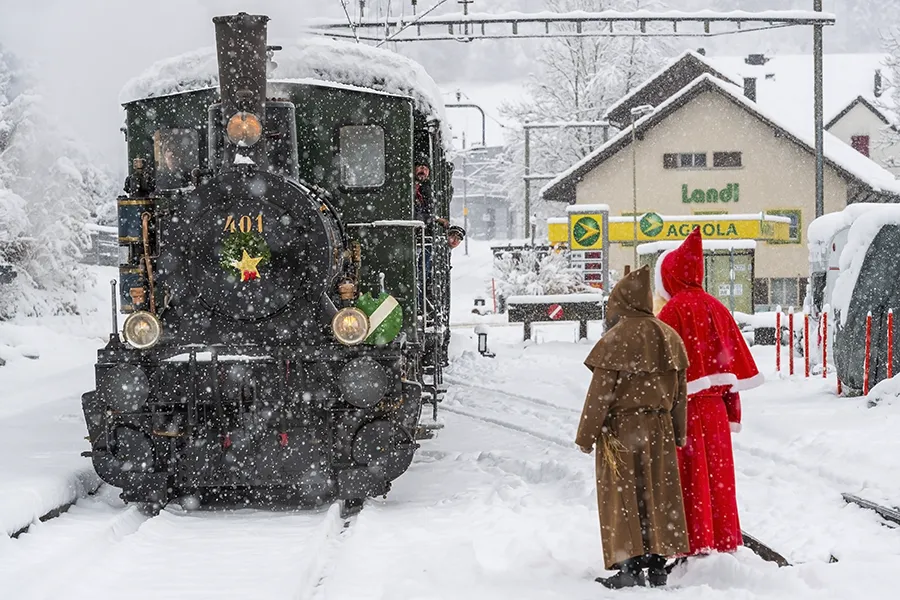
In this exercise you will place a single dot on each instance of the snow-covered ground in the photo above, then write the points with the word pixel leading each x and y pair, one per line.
pixel 499 505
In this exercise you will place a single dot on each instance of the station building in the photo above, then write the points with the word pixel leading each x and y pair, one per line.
pixel 708 150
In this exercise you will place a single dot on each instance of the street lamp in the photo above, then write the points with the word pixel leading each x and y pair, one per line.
pixel 636 113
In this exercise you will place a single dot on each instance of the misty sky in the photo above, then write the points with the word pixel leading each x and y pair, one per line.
pixel 84 51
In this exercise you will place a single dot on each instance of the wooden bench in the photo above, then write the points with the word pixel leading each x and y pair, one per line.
pixel 562 307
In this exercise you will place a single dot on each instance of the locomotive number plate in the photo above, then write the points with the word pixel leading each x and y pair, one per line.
pixel 243 223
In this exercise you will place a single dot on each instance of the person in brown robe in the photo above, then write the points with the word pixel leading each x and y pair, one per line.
pixel 635 414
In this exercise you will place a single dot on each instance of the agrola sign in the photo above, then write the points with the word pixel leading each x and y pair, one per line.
pixel 729 193
pixel 653 226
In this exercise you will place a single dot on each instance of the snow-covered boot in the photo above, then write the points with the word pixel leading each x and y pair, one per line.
pixel 656 571
pixel 630 575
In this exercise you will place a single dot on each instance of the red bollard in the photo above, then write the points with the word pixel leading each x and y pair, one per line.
pixel 778 340
pixel 890 343
pixel 791 340
pixel 825 349
pixel 868 353
pixel 806 342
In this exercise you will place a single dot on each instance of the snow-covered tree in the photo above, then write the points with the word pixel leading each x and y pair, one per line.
pixel 531 273
pixel 577 79
pixel 49 190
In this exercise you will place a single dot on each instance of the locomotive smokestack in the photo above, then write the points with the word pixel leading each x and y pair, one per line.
pixel 241 54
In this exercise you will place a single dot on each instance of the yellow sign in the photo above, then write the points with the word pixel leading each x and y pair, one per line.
pixel 586 231
pixel 558 231
pixel 655 228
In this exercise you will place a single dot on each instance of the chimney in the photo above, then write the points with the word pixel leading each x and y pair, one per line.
pixel 879 84
pixel 756 59
pixel 701 51
pixel 241 54
pixel 750 88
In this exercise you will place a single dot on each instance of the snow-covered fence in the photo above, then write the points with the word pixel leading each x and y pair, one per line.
pixel 562 307
pixel 104 248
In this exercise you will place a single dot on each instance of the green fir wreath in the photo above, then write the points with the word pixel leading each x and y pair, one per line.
pixel 234 246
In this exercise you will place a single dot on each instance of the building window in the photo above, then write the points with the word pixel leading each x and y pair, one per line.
pixel 685 160
pixel 760 292
pixel 362 156
pixel 860 143
pixel 794 216
pixel 784 292
pixel 727 160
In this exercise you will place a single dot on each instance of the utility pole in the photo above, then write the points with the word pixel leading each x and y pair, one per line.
pixel 465 8
pixel 465 195
pixel 818 109
pixel 561 125
pixel 527 176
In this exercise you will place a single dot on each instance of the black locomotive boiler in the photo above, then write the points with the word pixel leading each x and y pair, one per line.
pixel 282 331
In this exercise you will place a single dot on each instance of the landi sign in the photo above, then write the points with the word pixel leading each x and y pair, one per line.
pixel 729 193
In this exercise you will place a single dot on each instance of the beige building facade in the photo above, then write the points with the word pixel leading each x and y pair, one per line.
pixel 708 150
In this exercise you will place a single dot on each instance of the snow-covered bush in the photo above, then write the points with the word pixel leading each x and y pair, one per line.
pixel 49 190
pixel 531 273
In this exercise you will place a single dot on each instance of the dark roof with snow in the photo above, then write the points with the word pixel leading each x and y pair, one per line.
pixel 660 86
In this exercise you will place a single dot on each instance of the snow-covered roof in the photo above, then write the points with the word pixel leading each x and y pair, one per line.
pixel 654 247
pixel 837 153
pixel 821 231
pixel 308 58
pixel 861 235
pixel 784 84
pixel 655 78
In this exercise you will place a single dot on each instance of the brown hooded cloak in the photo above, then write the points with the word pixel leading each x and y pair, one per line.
pixel 635 415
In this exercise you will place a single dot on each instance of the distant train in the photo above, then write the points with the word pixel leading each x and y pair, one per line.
pixel 287 314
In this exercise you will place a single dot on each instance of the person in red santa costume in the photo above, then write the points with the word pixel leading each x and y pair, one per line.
pixel 720 367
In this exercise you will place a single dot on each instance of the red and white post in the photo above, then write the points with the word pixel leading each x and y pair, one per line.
pixel 791 340
pixel 890 343
pixel 806 342
pixel 778 339
pixel 824 344
pixel 868 353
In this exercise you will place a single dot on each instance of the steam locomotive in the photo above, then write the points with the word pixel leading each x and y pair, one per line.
pixel 283 328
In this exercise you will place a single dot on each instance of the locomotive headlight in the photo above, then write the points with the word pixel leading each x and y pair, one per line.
pixel 141 330
pixel 244 129
pixel 350 326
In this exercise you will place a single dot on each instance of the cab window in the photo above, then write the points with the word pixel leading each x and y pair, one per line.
pixel 177 154
pixel 362 156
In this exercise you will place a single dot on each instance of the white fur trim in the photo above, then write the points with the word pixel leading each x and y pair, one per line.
pixel 657 277
pixel 735 427
pixel 719 379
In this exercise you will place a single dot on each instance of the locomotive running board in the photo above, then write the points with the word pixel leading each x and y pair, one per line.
pixel 888 514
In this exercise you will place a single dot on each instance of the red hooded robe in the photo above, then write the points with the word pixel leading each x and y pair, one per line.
pixel 720 366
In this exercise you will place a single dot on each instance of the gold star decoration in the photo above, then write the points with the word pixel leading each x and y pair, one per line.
pixel 247 266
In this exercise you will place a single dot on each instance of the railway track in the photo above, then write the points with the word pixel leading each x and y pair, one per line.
pixel 776 499
pixel 100 548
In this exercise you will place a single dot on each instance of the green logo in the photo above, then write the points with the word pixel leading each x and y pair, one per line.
pixel 586 232
pixel 651 224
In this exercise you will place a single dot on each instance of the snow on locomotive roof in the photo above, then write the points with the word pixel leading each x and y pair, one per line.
pixel 310 58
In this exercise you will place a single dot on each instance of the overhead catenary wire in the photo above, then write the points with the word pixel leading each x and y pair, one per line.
pixel 350 20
